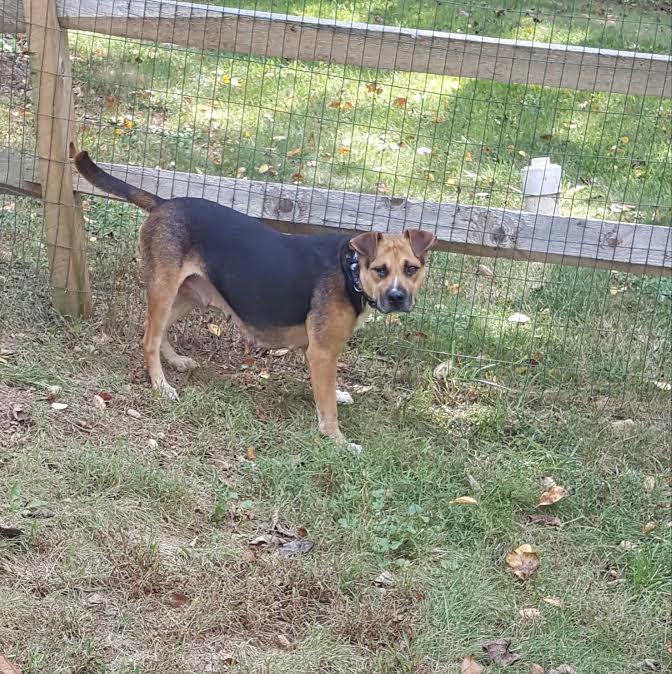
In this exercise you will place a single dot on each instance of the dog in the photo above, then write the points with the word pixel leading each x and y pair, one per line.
pixel 298 291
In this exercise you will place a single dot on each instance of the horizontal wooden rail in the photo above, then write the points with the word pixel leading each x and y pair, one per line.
pixel 367 45
pixel 473 230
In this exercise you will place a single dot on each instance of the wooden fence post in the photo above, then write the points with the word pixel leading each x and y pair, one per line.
pixel 54 117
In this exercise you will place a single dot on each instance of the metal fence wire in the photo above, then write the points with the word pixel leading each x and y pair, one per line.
pixel 273 115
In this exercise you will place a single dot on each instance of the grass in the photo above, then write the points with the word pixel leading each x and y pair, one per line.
pixel 134 553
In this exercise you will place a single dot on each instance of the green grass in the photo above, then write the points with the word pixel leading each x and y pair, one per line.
pixel 119 514
pixel 132 522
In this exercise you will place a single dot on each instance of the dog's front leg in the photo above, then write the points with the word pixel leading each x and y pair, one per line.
pixel 323 365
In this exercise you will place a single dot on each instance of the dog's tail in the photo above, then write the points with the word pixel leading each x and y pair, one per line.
pixel 104 181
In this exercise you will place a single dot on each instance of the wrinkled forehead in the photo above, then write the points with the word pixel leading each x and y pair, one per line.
pixel 395 250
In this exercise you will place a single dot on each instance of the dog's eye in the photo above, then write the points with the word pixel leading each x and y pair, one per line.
pixel 410 270
pixel 381 271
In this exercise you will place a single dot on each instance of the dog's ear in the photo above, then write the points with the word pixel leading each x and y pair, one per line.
pixel 366 244
pixel 420 241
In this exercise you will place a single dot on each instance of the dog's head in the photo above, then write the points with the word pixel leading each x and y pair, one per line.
pixel 392 268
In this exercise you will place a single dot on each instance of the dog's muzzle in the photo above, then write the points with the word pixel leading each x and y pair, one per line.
pixel 395 299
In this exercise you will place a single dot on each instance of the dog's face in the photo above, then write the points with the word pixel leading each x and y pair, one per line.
pixel 392 268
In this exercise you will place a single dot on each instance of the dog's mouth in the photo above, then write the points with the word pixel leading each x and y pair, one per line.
pixel 387 306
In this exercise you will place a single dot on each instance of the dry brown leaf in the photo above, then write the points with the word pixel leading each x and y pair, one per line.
pixel 283 642
pixel 250 454
pixel 400 102
pixel 248 556
pixel 649 482
pixel 19 413
pixel 226 658
pixel 621 425
pixel 553 495
pixel 59 407
pixel 298 547
pixel 484 270
pixel 523 561
pixel 649 527
pixel 442 370
pixel 268 539
pixel 98 402
pixel 295 152
pixel 530 613
pixel 668 647
pixel 464 500
pixel 545 520
pixel 471 666
pixel 214 329
pixel 499 651
pixel 663 385
pixel 265 374
pixel 105 396
pixel 535 668
pixel 6 667
pixel 554 601
pixel 53 392
pixel 385 579
pixel 10 532
pixel 134 414
pixel 178 599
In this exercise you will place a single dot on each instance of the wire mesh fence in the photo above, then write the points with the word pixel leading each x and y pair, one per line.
pixel 179 113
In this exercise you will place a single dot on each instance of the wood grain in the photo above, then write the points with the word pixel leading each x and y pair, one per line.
pixel 55 121
pixel 369 45
pixel 473 230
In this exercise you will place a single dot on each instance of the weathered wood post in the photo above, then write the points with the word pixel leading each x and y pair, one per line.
pixel 541 186
pixel 51 74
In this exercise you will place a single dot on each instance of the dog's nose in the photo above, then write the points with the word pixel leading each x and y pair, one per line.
pixel 396 295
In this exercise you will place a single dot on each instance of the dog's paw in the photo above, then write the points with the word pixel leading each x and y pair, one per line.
pixel 343 397
pixel 166 390
pixel 184 363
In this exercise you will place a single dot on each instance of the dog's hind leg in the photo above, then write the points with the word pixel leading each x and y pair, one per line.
pixel 161 294
pixel 182 305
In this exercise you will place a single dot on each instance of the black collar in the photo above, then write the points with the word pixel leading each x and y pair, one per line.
pixel 352 274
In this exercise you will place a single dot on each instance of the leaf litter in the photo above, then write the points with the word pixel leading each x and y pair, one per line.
pixel 523 561
pixel 499 651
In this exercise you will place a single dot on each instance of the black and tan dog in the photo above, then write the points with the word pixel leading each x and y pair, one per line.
pixel 301 291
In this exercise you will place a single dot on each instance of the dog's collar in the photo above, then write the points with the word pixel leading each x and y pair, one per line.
pixel 352 270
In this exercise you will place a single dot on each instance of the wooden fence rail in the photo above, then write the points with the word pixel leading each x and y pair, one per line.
pixel 468 229
pixel 473 230
pixel 368 45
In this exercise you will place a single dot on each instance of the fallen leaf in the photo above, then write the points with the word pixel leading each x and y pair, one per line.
pixel 523 561
pixel 535 668
pixel 248 556
pixel 240 172
pixel 249 362
pixel 59 407
pixel 265 374
pixel 6 667
pixel 400 102
pixel 95 599
pixel 343 150
pixel 373 88
pixel 624 140
pixel 424 150
pixel 554 601
pixel 484 270
pixel 649 483
pixel 649 527
pixel 99 403
pixel 10 532
pixel 499 651
pixel 343 398
pixel 299 547
pixel 650 664
pixel 471 666
pixel 134 414
pixel 453 288
pixel 301 532
pixel 468 156
pixel 268 539
pixel 553 495
pixel 152 443
pixel 19 413
pixel 297 177
pixel 464 500
pixel 442 370
pixel 53 392
pixel 105 396
pixel 278 353
pixel 84 425
pixel 293 153
pixel 385 579
pixel 668 647
pixel 621 425
pixel 262 168
pixel 563 669
pixel 226 658
pixel 545 520
pixel 663 385
pixel 283 642
pixel 214 329
pixel 518 318
pixel 250 454
pixel 546 136
pixel 628 545
pixel 178 599
pixel 128 122
pixel 529 613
